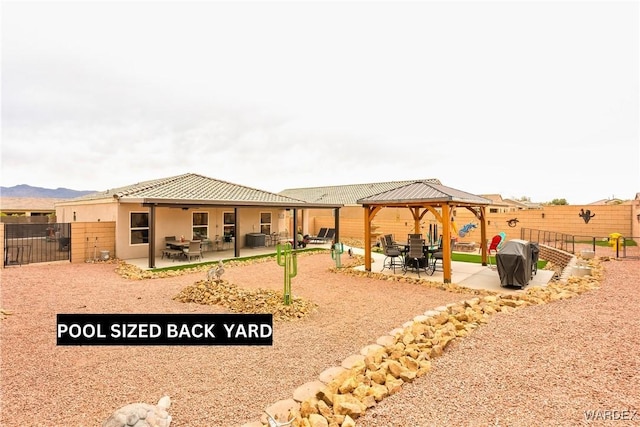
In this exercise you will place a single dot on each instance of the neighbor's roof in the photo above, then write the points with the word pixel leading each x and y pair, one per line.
pixel 496 199
pixel 613 201
pixel 420 191
pixel 346 194
pixel 28 203
pixel 193 189
pixel 518 204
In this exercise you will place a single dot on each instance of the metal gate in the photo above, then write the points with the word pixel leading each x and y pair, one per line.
pixel 622 248
pixel 31 243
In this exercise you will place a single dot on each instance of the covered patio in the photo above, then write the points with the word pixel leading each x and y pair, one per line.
pixel 421 198
pixel 212 256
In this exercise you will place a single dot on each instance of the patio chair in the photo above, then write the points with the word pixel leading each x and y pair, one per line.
pixel 413 236
pixel 331 233
pixel 168 251
pixel 320 237
pixel 63 243
pixel 415 259
pixel 494 246
pixel 439 256
pixel 193 251
pixel 388 239
pixel 393 256
pixel 172 254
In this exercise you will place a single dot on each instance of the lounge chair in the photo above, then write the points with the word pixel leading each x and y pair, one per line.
pixel 320 237
pixel 331 233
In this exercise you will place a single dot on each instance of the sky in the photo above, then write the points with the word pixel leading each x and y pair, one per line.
pixel 534 99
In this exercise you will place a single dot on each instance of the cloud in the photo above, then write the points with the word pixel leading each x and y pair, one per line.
pixel 522 98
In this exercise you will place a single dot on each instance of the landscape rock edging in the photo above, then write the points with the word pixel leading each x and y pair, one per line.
pixel 405 353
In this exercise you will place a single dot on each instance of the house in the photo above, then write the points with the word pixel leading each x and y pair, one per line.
pixel 395 220
pixel 612 201
pixel 28 207
pixel 347 195
pixel 189 205
pixel 351 213
pixel 500 205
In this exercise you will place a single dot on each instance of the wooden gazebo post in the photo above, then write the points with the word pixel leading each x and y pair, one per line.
pixel 446 243
pixel 483 234
pixel 367 238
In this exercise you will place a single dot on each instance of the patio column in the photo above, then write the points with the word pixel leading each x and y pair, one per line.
pixel 152 236
pixel 295 228
pixel 336 224
pixel 236 227
pixel 305 221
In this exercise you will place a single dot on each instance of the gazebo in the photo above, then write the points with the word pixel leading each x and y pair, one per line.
pixel 421 197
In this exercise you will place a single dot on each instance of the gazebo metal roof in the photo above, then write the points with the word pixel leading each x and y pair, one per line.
pixel 421 192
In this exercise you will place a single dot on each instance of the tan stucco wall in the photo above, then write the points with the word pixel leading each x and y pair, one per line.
pixel 103 210
pixel 178 222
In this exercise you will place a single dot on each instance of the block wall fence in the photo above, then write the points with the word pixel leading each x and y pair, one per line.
pixel 88 239
pixel 621 219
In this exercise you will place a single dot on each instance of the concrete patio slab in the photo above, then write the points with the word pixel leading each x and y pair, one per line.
pixel 469 275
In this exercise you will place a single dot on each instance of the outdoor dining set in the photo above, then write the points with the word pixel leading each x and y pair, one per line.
pixel 416 254
pixel 179 248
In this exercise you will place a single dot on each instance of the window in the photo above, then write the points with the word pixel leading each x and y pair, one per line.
pixel 139 228
pixel 229 224
pixel 200 225
pixel 493 210
pixel 265 222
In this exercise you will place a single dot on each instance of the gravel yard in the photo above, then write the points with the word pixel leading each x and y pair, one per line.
pixel 540 365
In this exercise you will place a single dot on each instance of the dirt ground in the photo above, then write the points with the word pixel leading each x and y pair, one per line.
pixel 542 365
pixel 210 386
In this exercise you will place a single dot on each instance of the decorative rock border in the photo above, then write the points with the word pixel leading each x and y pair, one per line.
pixel 381 369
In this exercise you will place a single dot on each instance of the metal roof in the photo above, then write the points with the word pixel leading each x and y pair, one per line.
pixel 194 189
pixel 421 192
pixel 347 194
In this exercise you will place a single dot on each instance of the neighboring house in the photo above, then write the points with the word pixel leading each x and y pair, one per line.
pixel 189 205
pixel 28 206
pixel 613 201
pixel 347 196
pixel 394 220
pixel 500 205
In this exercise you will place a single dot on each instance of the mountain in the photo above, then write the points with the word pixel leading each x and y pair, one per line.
pixel 24 190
